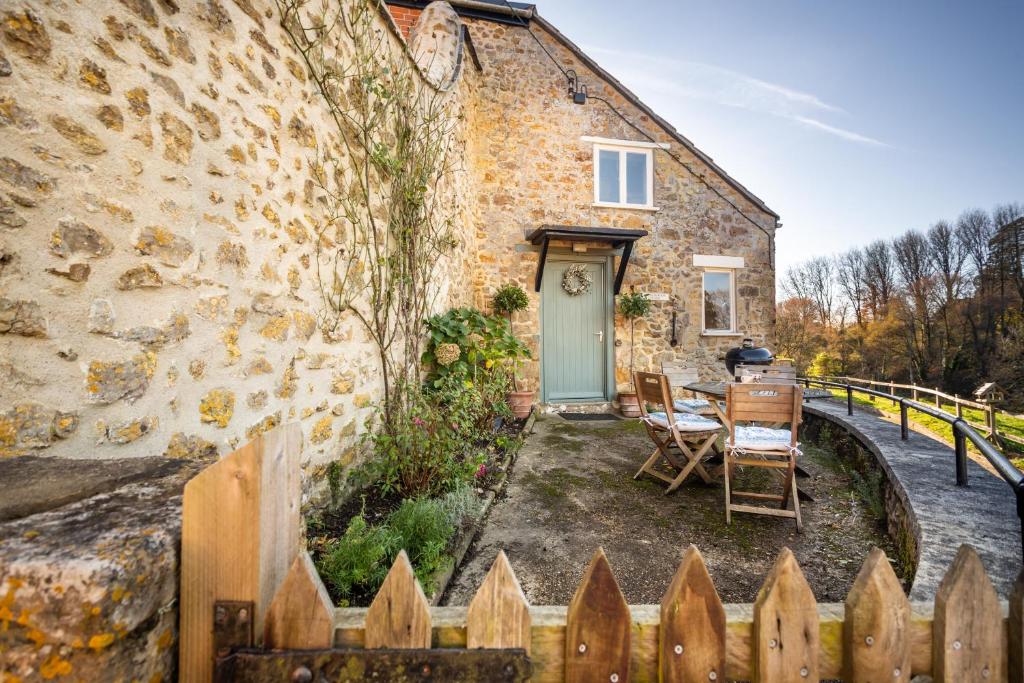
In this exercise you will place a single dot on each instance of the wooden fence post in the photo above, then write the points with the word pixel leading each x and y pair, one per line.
pixel 499 616
pixel 959 407
pixel 239 534
pixel 967 643
pixel 991 421
pixel 1015 634
pixel 938 399
pixel 399 616
pixel 598 628
pixel 786 626
pixel 876 632
pixel 301 615
pixel 692 633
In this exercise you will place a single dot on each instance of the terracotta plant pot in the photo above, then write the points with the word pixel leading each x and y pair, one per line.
pixel 629 404
pixel 521 403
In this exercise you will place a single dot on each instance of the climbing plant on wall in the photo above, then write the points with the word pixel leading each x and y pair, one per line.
pixel 381 176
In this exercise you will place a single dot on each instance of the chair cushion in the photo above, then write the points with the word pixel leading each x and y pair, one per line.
pixel 691 405
pixel 685 422
pixel 762 439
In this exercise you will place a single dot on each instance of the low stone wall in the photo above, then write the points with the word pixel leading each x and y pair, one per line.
pixel 901 523
pixel 89 568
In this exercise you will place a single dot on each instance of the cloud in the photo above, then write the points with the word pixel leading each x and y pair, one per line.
pixel 697 80
pixel 840 132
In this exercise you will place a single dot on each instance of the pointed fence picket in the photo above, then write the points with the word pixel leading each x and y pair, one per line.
pixel 967 634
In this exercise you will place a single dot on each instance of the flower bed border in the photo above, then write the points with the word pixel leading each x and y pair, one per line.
pixel 443 578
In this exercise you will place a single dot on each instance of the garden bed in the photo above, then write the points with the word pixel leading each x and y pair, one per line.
pixel 379 511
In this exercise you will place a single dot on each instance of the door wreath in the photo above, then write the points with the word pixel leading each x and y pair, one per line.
pixel 577 279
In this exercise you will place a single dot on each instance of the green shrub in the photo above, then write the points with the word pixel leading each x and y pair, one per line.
pixel 825 364
pixel 358 561
pixel 471 406
pixel 423 528
pixel 354 566
pixel 428 453
pixel 634 305
pixel 482 343
pixel 461 504
pixel 510 299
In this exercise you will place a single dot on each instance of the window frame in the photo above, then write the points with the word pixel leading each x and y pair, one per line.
pixel 622 147
pixel 731 332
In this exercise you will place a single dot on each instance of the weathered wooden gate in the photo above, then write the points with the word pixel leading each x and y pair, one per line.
pixel 254 609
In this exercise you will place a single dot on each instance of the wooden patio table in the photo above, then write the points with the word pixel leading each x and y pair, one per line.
pixel 715 392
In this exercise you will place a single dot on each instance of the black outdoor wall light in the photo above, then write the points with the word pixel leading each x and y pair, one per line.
pixel 577 90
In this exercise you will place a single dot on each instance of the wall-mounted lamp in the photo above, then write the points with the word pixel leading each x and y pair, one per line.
pixel 577 90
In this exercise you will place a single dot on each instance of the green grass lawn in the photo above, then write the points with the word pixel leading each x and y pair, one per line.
pixel 1006 424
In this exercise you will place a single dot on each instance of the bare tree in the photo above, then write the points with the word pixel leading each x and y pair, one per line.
pixel 814 280
pixel 912 256
pixel 851 277
pixel 1008 246
pixel 1004 214
pixel 948 256
pixel 974 230
pixel 798 332
pixel 880 277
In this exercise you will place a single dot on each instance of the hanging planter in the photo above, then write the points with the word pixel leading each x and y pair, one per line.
pixel 577 279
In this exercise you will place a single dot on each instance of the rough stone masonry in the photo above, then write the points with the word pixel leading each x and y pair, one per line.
pixel 158 219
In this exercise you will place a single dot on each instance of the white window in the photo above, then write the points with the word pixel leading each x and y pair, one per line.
pixel 719 301
pixel 623 173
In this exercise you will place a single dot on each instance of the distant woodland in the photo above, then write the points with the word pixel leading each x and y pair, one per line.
pixel 940 307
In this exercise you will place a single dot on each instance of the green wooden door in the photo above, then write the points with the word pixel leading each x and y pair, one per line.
pixel 574 335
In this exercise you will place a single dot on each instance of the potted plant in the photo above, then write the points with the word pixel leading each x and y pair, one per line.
pixel 508 300
pixel 632 306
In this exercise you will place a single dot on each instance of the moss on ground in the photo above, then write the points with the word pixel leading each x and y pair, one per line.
pixel 553 484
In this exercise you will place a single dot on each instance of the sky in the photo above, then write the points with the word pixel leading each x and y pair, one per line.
pixel 853 120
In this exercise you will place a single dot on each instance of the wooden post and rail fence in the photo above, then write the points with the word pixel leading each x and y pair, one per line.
pixel 254 609
pixel 941 400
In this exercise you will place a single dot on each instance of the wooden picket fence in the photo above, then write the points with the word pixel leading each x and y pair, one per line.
pixel 241 543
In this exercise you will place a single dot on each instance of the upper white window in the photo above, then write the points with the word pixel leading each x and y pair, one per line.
pixel 623 173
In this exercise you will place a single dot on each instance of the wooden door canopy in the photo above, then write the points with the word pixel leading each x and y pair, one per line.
pixel 616 237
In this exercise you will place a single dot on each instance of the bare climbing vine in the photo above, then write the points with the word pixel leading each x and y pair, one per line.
pixel 381 175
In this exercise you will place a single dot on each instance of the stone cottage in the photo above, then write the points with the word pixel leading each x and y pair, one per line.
pixel 159 261
pixel 157 276
pixel 601 182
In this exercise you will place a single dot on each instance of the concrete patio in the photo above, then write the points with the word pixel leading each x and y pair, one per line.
pixel 572 490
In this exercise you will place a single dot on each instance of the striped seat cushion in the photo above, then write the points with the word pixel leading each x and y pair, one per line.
pixel 762 439
pixel 685 422
pixel 691 405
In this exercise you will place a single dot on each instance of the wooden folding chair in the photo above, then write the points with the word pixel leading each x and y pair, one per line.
pixel 753 446
pixel 678 377
pixel 682 439
pixel 775 374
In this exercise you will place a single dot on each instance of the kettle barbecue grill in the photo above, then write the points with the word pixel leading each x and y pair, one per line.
pixel 747 354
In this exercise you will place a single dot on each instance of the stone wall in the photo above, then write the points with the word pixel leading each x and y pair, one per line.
pixel 533 169
pixel 89 556
pixel 158 287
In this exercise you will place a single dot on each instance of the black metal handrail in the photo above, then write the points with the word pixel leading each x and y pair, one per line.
pixel 962 433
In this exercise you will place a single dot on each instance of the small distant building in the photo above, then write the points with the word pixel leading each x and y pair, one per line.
pixel 990 392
